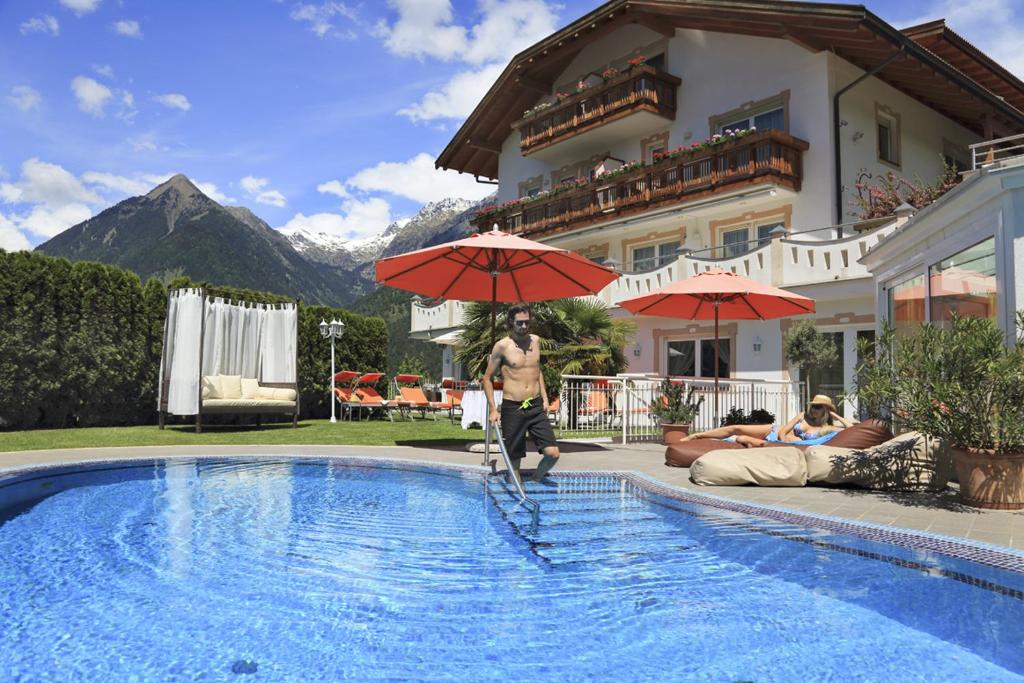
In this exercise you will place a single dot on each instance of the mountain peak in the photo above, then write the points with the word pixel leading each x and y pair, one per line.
pixel 178 182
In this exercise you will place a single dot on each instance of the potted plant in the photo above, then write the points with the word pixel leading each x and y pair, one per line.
pixel 964 384
pixel 676 410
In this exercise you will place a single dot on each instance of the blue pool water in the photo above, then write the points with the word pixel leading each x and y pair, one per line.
pixel 328 570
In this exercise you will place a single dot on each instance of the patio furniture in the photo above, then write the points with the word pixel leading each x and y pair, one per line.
pixel 370 398
pixel 453 391
pixel 227 357
pixel 408 388
pixel 345 395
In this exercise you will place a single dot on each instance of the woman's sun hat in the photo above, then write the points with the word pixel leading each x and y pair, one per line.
pixel 822 400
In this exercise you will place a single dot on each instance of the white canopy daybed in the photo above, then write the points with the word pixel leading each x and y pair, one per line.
pixel 225 357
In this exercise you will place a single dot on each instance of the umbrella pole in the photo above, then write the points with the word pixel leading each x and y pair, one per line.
pixel 494 317
pixel 715 426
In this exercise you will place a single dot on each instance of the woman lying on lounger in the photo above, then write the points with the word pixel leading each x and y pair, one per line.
pixel 817 425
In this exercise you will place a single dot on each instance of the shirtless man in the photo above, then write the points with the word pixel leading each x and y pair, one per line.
pixel 524 405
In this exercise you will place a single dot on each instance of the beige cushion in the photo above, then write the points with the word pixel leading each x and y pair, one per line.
pixel 284 394
pixel 230 386
pixel 907 462
pixel 776 466
pixel 265 393
pixel 249 387
pixel 211 386
pixel 246 403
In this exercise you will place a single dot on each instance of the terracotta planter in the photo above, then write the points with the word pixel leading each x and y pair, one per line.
pixel 671 434
pixel 990 481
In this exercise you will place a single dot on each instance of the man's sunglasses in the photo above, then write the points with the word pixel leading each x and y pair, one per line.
pixel 521 323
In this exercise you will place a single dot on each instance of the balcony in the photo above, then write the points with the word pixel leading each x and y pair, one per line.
pixel 429 321
pixel 643 89
pixel 764 157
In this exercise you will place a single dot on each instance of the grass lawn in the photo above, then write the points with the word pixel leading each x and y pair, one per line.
pixel 425 433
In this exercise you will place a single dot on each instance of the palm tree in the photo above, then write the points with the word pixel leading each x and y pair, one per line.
pixel 579 337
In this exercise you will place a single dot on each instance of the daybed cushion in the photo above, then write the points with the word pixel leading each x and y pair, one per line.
pixel 775 466
pixel 862 435
pixel 230 386
pixel 909 462
pixel 246 403
pixel 685 453
pixel 284 394
pixel 211 386
pixel 250 387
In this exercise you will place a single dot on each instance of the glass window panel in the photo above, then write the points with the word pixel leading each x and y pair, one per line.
pixel 906 306
pixel 657 61
pixel 829 380
pixel 667 253
pixel 774 119
pixel 681 358
pixel 869 335
pixel 740 124
pixel 734 242
pixel 886 149
pixel 707 358
pixel 764 232
pixel 644 258
pixel 965 284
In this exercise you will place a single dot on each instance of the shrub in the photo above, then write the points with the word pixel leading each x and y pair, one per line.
pixel 738 416
pixel 676 404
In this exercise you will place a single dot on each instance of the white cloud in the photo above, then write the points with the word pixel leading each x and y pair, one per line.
pixel 127 27
pixel 424 28
pixel 43 24
pixel 12 239
pixel 418 180
pixel 104 70
pixel 257 190
pixel 124 185
pixel 24 97
pixel 54 199
pixel 45 183
pixel 211 191
pixel 48 222
pixel 996 27
pixel 174 101
pixel 92 96
pixel 358 219
pixel 81 7
pixel 334 187
pixel 320 18
pixel 457 98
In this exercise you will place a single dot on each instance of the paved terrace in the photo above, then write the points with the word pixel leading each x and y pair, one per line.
pixel 938 513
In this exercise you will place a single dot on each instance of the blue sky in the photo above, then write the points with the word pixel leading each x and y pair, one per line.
pixel 326 115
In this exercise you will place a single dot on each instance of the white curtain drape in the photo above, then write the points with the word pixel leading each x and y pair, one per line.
pixel 183 353
pixel 278 344
pixel 252 340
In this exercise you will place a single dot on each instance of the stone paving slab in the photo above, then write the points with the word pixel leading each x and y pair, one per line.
pixel 938 513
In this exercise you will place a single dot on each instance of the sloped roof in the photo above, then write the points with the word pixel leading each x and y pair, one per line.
pixel 850 31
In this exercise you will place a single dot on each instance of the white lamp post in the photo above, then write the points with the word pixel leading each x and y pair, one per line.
pixel 333 330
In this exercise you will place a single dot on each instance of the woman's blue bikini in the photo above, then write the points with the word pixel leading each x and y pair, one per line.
pixel 773 436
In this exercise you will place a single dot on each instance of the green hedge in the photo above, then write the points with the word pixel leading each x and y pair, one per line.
pixel 80 343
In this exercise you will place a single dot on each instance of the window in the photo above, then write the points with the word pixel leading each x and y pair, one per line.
pixel 707 357
pixel 964 284
pixel 888 128
pixel 869 337
pixel 774 118
pixel 828 380
pixel 906 305
pixel 533 191
pixel 681 358
pixel 654 256
pixel 764 232
pixel 657 61
pixel 734 242
pixel 687 355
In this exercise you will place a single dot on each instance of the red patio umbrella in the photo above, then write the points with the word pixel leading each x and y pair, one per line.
pixel 494 266
pixel 716 294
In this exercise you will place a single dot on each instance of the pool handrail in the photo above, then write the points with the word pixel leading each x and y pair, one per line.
pixel 530 503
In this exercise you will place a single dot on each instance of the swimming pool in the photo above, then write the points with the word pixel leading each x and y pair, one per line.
pixel 296 569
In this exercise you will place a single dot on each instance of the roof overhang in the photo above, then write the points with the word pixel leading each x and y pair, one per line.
pixel 850 31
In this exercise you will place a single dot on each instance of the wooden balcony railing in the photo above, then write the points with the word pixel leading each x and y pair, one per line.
pixel 770 156
pixel 643 88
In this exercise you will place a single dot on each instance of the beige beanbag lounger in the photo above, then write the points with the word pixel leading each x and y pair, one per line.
pixel 776 466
